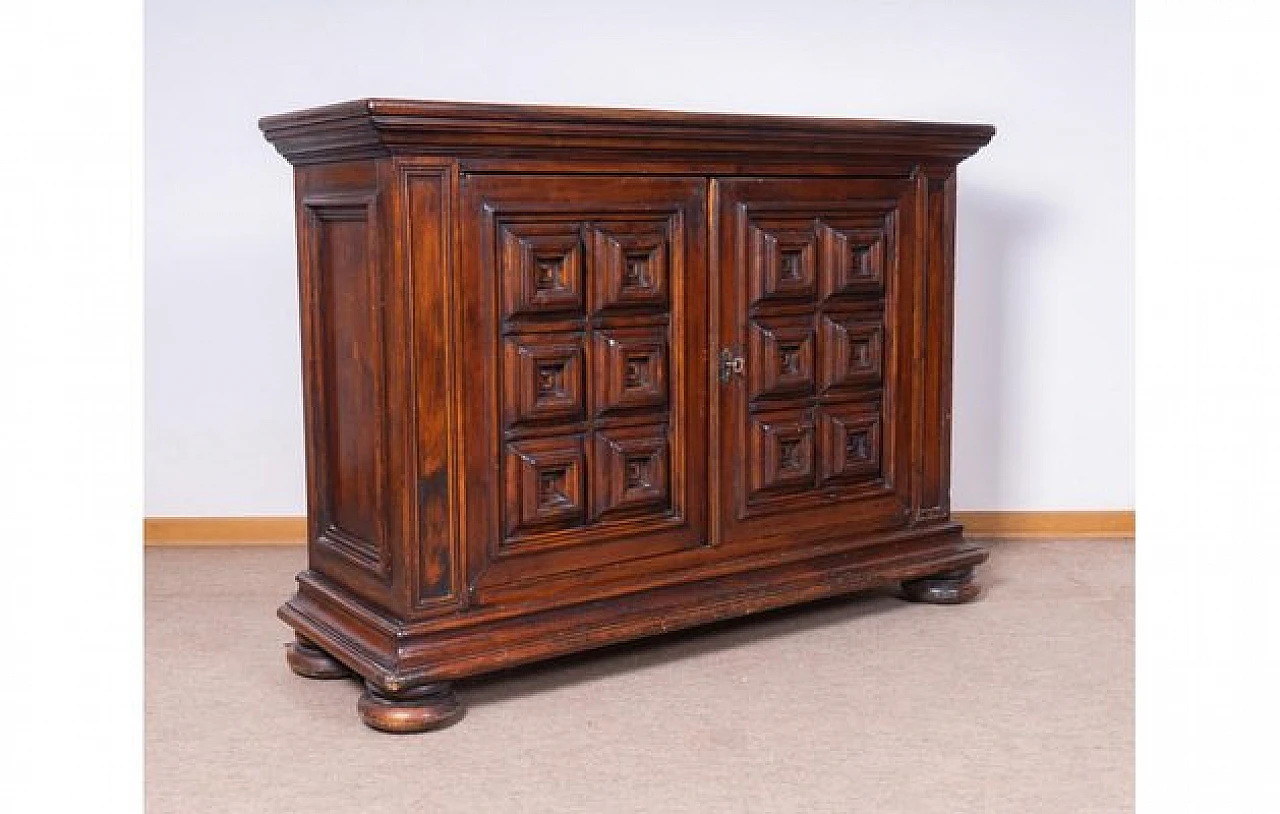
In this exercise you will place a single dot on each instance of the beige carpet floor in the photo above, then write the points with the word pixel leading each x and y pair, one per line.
pixel 1020 702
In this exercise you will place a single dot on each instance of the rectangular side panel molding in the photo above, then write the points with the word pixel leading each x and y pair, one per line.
pixel 341 232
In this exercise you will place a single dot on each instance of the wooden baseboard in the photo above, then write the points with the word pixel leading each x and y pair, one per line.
pixel 1045 525
pixel 222 531
pixel 198 531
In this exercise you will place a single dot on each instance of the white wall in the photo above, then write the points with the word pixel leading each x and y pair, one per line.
pixel 1044 344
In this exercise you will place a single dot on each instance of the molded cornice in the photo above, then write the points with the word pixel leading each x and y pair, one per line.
pixel 369 128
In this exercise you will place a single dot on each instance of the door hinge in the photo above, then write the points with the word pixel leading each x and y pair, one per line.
pixel 730 363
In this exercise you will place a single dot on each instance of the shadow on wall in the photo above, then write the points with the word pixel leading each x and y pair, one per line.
pixel 992 283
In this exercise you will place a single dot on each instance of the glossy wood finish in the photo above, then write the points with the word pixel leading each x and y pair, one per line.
pixel 430 706
pixel 578 376
pixel 595 350
pixel 819 287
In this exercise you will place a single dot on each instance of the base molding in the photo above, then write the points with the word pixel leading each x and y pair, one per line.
pixel 291 530
pixel 395 656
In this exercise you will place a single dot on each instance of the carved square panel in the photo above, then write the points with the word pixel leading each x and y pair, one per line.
pixel 629 369
pixel 852 351
pixel 780 357
pixel 782 264
pixel 629 265
pixel 541 269
pixel 853 261
pixel 781 451
pixel 542 378
pixel 849 443
pixel 630 472
pixel 544 485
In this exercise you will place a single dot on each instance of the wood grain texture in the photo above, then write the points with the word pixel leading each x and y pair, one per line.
pixel 224 531
pixel 574 376
pixel 591 337
pixel 796 254
pixel 374 128
pixel 421 709
pixel 1105 525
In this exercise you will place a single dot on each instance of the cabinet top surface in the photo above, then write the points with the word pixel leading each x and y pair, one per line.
pixel 370 128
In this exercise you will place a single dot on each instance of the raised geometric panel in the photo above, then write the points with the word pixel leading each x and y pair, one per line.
pixel 629 265
pixel 629 369
pixel 542 378
pixel 782 263
pixel 781 451
pixel 630 472
pixel 544 485
pixel 541 268
pixel 852 351
pixel 780 361
pixel 849 443
pixel 853 261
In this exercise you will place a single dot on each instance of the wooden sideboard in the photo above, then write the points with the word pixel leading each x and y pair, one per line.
pixel 576 376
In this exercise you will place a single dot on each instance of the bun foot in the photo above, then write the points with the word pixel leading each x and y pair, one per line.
pixel 430 706
pixel 946 588
pixel 309 661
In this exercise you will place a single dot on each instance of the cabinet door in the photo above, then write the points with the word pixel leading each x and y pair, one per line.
pixel 585 344
pixel 816 297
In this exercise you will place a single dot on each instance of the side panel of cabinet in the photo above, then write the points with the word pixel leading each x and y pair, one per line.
pixel 584 350
pixel 818 295
pixel 354 312
pixel 934 488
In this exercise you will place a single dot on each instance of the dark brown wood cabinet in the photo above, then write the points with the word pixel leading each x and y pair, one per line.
pixel 576 376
